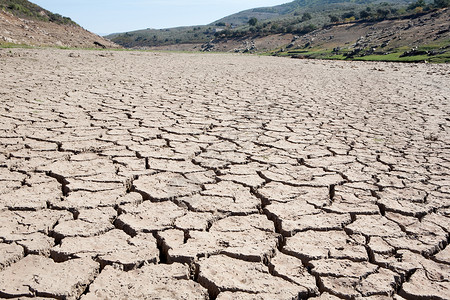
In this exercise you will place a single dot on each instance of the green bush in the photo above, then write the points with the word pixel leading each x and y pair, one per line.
pixel 333 19
pixel 441 3
pixel 253 21
pixel 26 9
pixel 306 17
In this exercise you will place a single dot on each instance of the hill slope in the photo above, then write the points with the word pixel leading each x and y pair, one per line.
pixel 25 23
pixel 291 17
pixel 337 29
pixel 297 8
pixel 423 37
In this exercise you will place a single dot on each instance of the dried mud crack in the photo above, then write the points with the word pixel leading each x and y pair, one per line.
pixel 188 176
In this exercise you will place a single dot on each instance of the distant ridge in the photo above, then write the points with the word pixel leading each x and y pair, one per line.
pixel 297 7
pixel 291 17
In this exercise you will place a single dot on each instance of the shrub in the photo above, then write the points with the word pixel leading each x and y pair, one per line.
pixel 348 15
pixel 441 3
pixel 419 3
pixel 364 14
pixel 418 10
pixel 383 13
pixel 253 21
pixel 306 17
pixel 351 19
pixel 333 19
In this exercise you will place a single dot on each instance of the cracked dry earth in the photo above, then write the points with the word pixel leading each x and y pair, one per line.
pixel 129 175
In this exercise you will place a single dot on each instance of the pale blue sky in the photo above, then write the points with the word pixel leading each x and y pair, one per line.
pixel 109 16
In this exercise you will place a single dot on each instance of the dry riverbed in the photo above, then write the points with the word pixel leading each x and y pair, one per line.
pixel 189 176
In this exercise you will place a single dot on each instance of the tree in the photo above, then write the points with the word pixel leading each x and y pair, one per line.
pixel 333 19
pixel 306 17
pixel 383 13
pixel 349 14
pixel 253 21
pixel 419 3
pixel 364 14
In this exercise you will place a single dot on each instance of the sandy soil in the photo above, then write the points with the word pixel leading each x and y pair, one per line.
pixel 128 175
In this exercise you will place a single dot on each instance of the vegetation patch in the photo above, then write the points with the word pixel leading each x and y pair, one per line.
pixel 432 53
pixel 26 9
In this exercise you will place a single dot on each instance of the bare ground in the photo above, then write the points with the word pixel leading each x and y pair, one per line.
pixel 188 176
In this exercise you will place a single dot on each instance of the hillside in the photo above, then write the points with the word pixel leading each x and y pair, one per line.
pixel 328 29
pixel 297 8
pixel 296 17
pixel 423 37
pixel 25 23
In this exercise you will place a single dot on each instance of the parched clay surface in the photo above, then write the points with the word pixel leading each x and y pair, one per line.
pixel 138 175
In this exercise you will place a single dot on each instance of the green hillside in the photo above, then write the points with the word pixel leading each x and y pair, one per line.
pixel 27 10
pixel 297 17
pixel 298 7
